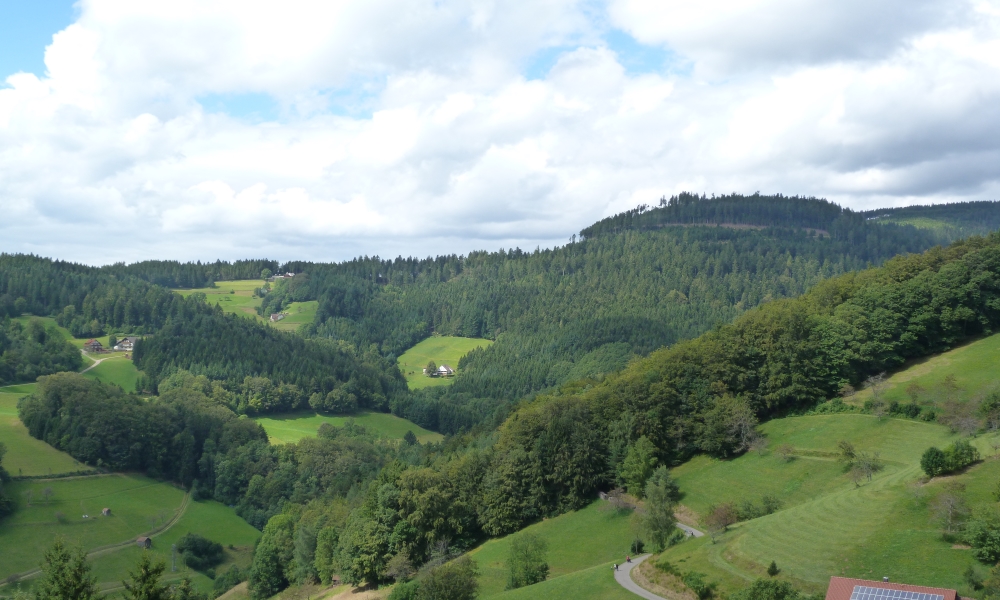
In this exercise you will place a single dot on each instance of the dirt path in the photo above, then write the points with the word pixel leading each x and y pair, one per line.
pixel 108 549
pixel 97 361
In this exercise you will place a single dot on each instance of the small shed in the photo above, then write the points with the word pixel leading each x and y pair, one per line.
pixel 144 542
pixel 106 512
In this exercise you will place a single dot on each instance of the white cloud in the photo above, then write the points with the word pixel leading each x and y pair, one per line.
pixel 449 148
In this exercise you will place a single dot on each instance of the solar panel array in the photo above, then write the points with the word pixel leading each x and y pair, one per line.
pixel 862 592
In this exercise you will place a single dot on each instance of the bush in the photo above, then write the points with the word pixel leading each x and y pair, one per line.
pixel 526 563
pixel 200 553
pixel 452 581
pixel 665 566
pixel 697 584
pixel 767 589
pixel 933 462
pixel 409 590
pixel 228 580
pixel 637 546
pixel 982 532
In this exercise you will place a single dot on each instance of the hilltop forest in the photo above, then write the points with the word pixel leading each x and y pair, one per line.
pixel 667 331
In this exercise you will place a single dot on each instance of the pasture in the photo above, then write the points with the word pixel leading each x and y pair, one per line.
pixel 595 535
pixel 828 525
pixel 593 583
pixel 292 427
pixel 237 297
pixel 47 508
pixel 211 519
pixel 116 369
pixel 441 349
pixel 27 456
pixel 963 373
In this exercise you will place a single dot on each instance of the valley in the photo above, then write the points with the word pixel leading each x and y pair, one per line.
pixel 777 389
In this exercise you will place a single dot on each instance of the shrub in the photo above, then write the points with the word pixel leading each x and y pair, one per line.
pixel 772 569
pixel 665 566
pixel 228 580
pixel 933 462
pixel 982 532
pixel 526 564
pixel 767 589
pixel 697 584
pixel 200 553
pixel 409 590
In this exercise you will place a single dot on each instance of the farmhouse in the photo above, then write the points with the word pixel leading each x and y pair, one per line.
pixel 126 344
pixel 843 588
pixel 277 317
pixel 106 512
pixel 93 346
pixel 144 542
pixel 445 371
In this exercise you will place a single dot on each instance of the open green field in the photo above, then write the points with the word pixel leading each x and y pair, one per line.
pixel 299 313
pixel 579 540
pixel 238 297
pixel 115 369
pixel 138 505
pixel 27 456
pixel 593 583
pixel 441 349
pixel 974 366
pixel 211 519
pixel 827 525
pixel 294 426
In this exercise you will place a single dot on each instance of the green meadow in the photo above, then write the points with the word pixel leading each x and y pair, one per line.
pixel 138 505
pixel 447 350
pixel 595 535
pixel 27 456
pixel 593 583
pixel 237 297
pixel 210 519
pixel 115 369
pixel 974 369
pixel 828 525
pixel 294 426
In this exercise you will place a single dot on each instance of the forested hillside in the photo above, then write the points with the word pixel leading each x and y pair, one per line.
pixel 553 453
pixel 958 219
pixel 635 282
pixel 182 333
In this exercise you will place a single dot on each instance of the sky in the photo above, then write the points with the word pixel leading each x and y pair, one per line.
pixel 323 130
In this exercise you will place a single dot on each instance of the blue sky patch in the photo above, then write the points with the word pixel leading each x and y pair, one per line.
pixel 26 28
pixel 256 107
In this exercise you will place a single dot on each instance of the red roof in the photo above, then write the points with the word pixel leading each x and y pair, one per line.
pixel 841 588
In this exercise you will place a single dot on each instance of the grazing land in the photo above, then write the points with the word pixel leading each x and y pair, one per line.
pixel 579 540
pixel 594 583
pixel 115 369
pixel 138 505
pixel 828 525
pixel 237 297
pixel 295 426
pixel 210 519
pixel 964 373
pixel 27 456
pixel 298 314
pixel 441 349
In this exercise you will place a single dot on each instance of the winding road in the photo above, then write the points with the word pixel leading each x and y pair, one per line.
pixel 624 579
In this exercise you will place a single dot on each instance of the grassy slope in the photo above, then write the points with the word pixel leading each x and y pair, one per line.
pixel 828 526
pixel 237 297
pixel 138 504
pixel 442 350
pixel 295 426
pixel 577 541
pixel 215 521
pixel 26 455
pixel 973 365
pixel 117 370
pixel 593 583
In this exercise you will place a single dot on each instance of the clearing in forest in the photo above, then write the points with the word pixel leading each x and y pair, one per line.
pixel 237 297
pixel 292 427
pixel 443 350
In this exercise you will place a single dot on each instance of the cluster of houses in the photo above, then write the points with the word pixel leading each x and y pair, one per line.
pixel 442 371
pixel 125 344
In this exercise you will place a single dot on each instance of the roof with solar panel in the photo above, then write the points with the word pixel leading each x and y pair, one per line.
pixel 843 588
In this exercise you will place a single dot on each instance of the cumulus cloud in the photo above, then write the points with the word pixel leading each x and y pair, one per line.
pixel 411 127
